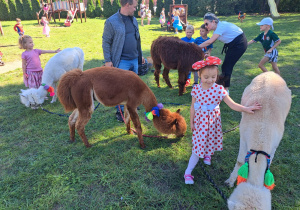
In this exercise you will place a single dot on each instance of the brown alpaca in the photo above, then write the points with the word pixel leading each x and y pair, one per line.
pixel 174 53
pixel 111 86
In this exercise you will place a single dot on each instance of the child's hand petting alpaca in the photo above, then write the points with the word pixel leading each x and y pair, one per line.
pixel 58 50
pixel 250 109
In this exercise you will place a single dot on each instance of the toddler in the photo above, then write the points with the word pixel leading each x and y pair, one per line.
pixel 189 31
pixel 162 17
pixel 46 29
pixel 177 23
pixel 205 116
pixel 31 64
pixel 149 16
pixel 19 28
pixel 203 37
pixel 269 41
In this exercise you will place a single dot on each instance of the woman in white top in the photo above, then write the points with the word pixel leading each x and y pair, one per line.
pixel 142 12
pixel 235 44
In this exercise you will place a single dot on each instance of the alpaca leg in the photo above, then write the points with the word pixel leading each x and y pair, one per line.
pixel 83 118
pixel 182 77
pixel 166 77
pixel 72 120
pixel 127 120
pixel 55 95
pixel 240 161
pixel 157 72
pixel 137 124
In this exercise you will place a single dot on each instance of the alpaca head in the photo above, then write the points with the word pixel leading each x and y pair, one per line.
pixel 170 122
pixel 248 196
pixel 31 98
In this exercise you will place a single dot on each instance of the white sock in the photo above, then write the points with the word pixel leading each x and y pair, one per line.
pixel 192 163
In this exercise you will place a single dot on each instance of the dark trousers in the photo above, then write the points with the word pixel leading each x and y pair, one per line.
pixel 234 50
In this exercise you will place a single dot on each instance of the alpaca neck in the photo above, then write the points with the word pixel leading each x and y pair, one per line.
pixel 149 101
pixel 47 78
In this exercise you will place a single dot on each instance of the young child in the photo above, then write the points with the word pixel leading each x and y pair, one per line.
pixel 46 29
pixel 162 17
pixel 205 116
pixel 19 28
pixel 149 16
pixel 177 22
pixel 189 31
pixel 31 64
pixel 269 41
pixel 203 37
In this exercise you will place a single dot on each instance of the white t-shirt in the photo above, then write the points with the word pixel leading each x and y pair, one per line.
pixel 227 31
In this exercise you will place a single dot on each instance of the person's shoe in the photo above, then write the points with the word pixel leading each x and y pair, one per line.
pixel 119 116
pixel 188 179
pixel 207 160
pixel 188 82
pixel 176 32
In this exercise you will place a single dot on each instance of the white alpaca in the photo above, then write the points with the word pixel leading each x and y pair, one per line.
pixel 60 63
pixel 260 131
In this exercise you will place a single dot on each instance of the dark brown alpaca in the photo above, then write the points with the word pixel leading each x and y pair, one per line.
pixel 174 53
pixel 111 86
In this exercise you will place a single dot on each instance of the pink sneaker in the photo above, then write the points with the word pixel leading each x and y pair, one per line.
pixel 188 178
pixel 207 159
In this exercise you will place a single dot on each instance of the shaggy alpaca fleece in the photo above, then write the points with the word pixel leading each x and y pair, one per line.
pixel 262 131
pixel 112 86
pixel 174 53
pixel 246 196
pixel 60 63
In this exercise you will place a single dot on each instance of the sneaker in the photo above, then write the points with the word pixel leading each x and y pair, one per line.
pixel 119 116
pixel 189 179
pixel 188 82
pixel 207 160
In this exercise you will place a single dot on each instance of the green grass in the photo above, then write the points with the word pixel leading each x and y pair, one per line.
pixel 40 169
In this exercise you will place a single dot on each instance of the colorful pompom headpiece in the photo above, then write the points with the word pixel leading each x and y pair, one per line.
pixel 154 112
pixel 49 89
pixel 243 171
pixel 209 61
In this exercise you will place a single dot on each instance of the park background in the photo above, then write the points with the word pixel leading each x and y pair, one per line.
pixel 40 169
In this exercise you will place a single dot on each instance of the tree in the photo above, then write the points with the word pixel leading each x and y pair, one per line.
pixel 107 8
pixel 98 10
pixel 160 4
pixel 116 5
pixel 35 7
pixel 19 7
pixel 90 11
pixel 4 13
pixel 12 10
pixel 27 10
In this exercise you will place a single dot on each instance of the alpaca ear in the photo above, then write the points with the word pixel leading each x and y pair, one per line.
pixel 175 121
pixel 178 111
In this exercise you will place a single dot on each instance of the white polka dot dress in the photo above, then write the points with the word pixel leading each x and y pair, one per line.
pixel 207 136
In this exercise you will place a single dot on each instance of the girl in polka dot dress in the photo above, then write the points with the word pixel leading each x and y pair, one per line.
pixel 205 116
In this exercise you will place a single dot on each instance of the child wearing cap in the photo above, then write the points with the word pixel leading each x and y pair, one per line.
pixel 269 41
pixel 205 116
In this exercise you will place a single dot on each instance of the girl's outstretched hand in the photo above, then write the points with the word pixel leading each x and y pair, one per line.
pixel 250 109
pixel 58 50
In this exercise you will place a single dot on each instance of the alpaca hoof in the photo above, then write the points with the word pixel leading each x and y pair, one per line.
pixel 228 183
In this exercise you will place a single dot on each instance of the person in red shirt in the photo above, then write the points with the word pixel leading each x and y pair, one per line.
pixel 19 28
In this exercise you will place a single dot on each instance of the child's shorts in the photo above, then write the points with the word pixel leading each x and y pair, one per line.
pixel 273 56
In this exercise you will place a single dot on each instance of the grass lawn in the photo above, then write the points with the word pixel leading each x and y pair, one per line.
pixel 41 169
